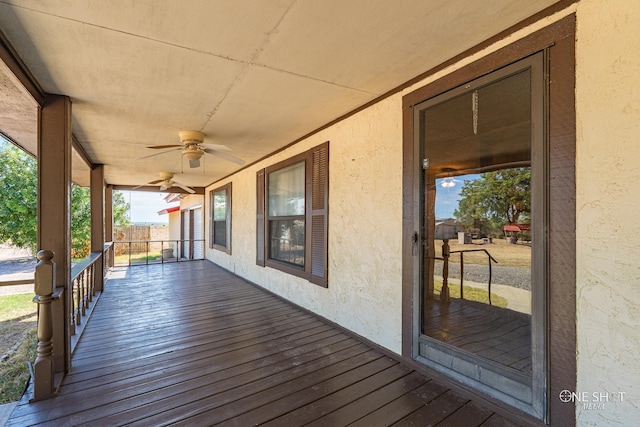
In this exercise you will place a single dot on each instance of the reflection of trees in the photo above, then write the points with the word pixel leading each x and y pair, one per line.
pixel 495 199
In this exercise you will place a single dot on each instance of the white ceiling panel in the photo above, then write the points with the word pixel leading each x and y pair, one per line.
pixel 252 75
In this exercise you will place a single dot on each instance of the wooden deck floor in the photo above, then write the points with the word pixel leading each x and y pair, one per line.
pixel 497 334
pixel 191 344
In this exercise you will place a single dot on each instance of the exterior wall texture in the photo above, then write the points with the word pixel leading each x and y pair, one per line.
pixel 365 213
pixel 365 227
pixel 608 205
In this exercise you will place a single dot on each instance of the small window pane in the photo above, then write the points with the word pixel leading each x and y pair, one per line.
pixel 286 191
pixel 286 241
pixel 220 233
pixel 220 205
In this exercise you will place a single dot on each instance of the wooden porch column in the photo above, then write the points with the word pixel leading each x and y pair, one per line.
pixel 54 213
pixel 97 222
pixel 108 218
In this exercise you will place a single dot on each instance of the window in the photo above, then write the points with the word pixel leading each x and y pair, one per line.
pixel 292 215
pixel 221 218
pixel 285 218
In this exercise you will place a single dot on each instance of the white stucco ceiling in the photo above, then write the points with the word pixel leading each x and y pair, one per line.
pixel 252 75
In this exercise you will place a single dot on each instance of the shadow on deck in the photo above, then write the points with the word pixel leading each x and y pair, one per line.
pixel 192 344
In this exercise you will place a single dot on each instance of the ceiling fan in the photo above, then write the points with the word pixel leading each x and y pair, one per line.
pixel 193 148
pixel 166 182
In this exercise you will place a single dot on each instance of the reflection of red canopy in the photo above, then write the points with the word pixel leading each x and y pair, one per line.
pixel 511 227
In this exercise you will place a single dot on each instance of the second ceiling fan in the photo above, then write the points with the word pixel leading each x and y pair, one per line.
pixel 193 148
pixel 166 182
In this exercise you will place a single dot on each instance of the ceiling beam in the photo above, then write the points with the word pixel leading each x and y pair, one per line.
pixel 18 71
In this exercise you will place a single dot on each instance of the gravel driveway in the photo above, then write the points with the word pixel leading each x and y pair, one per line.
pixel 16 264
pixel 512 276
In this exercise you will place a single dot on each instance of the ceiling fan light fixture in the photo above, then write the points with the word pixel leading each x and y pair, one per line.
pixel 448 183
pixel 192 153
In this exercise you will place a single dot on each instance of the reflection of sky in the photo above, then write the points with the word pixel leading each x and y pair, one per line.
pixel 447 198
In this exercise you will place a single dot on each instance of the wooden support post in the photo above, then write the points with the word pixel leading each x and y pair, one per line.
pixel 54 214
pixel 97 222
pixel 44 285
pixel 108 220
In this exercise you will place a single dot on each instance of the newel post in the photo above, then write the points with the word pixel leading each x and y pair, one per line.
pixel 44 286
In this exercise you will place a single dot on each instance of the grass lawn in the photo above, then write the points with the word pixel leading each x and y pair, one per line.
pixel 137 258
pixel 18 344
pixel 472 294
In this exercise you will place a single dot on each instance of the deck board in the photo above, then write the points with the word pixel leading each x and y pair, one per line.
pixel 497 334
pixel 192 344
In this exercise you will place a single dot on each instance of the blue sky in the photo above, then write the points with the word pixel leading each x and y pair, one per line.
pixel 145 206
pixel 447 198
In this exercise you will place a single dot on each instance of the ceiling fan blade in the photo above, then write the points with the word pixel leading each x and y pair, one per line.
pixel 160 147
pixel 194 163
pixel 184 187
pixel 148 183
pixel 164 187
pixel 225 156
pixel 157 154
pixel 217 147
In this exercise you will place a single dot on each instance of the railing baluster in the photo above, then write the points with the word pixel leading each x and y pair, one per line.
pixel 444 292
pixel 489 287
pixel 78 286
pixel 461 275
pixel 92 283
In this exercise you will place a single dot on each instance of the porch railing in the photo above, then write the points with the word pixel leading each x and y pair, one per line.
pixel 490 259
pixel 16 282
pixel 144 252
pixel 446 254
pixel 83 288
pixel 85 285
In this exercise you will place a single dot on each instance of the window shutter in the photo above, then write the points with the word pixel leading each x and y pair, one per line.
pixel 319 214
pixel 260 218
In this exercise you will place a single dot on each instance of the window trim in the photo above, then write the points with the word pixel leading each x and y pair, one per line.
pixel 227 247
pixel 316 232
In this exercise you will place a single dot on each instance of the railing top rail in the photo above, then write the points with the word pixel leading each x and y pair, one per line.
pixel 477 250
pixel 17 282
pixel 84 264
pixel 107 245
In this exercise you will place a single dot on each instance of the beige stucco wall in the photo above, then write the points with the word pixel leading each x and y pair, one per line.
pixel 174 225
pixel 608 208
pixel 365 205
pixel 365 227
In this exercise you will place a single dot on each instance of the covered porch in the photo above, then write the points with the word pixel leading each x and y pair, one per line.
pixel 193 344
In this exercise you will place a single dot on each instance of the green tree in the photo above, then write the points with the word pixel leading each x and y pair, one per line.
pixel 18 199
pixel 81 218
pixel 18 196
pixel 495 199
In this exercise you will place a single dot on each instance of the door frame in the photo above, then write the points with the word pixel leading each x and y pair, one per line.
pixel 493 378
pixel 558 42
